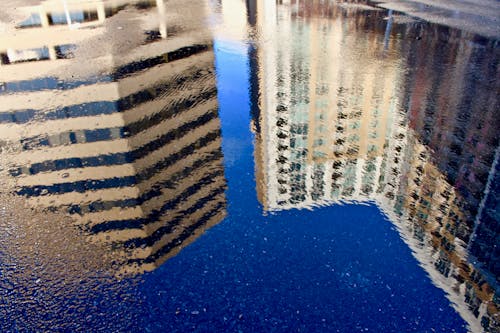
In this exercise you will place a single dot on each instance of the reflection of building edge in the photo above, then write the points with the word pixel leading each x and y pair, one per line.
pixel 386 163
pixel 138 162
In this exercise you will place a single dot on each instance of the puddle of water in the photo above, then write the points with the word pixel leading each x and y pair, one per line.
pixel 332 166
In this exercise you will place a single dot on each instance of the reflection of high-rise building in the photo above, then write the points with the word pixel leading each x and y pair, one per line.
pixel 328 110
pixel 461 127
pixel 134 156
pixel 338 117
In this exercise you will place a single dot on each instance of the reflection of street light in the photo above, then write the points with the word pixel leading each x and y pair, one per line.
pixel 160 4
pixel 68 17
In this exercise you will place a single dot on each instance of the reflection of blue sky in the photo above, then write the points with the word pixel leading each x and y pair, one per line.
pixel 231 59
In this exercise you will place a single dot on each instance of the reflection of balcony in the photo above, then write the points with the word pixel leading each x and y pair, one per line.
pixel 44 35
pixel 55 12
pixel 43 53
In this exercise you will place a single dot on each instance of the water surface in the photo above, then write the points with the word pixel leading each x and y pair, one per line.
pixel 222 166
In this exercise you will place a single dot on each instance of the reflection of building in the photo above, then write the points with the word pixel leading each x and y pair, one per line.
pixel 322 118
pixel 337 117
pixel 135 156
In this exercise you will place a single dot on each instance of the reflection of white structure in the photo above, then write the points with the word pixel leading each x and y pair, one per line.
pixel 51 26
pixel 135 155
pixel 331 128
pixel 312 117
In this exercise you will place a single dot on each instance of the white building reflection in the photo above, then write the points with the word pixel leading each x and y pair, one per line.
pixel 338 117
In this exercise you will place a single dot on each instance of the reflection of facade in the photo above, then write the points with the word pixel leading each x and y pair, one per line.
pixel 461 128
pixel 135 157
pixel 320 117
pixel 44 36
pixel 339 119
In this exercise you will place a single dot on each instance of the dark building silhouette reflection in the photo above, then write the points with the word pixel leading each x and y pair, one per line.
pixel 134 155
pixel 358 104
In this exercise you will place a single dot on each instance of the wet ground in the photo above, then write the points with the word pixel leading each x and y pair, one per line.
pixel 249 166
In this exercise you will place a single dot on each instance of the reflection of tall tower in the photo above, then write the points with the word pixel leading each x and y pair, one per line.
pixel 135 156
pixel 461 127
pixel 340 119
pixel 327 111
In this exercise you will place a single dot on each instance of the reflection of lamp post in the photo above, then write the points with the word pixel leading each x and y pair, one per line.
pixel 160 4
pixel 66 11
pixel 388 28
pixel 68 17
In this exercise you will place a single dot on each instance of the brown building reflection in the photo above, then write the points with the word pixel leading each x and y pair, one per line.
pixel 364 105
pixel 133 155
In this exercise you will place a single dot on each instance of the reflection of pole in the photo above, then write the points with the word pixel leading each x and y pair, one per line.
pixel 66 11
pixel 101 13
pixel 52 52
pixel 44 20
pixel 160 4
pixel 388 29
pixel 486 194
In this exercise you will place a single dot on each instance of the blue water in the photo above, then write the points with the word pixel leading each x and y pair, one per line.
pixel 334 269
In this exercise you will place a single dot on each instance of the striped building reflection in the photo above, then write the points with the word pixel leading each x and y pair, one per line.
pixel 338 118
pixel 134 156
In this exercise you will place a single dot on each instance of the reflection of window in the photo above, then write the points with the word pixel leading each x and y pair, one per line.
pixel 299 129
pixel 322 88
pixel 366 188
pixel 32 21
pixel 57 18
pixel 335 191
pixel 369 167
pixel 353 138
pixel 319 116
pixel 299 154
pixel 42 53
pixel 355 124
pixel 320 129
pixel 78 16
pixel 110 11
pixel 11 56
pixel 321 104
pixel 348 191
pixel 319 154
pixel 356 114
pixel 65 51
pixel 318 143
pixel 300 116
pixel 145 4
pixel 298 142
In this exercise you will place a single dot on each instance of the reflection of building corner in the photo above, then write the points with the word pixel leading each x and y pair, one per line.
pixel 351 129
